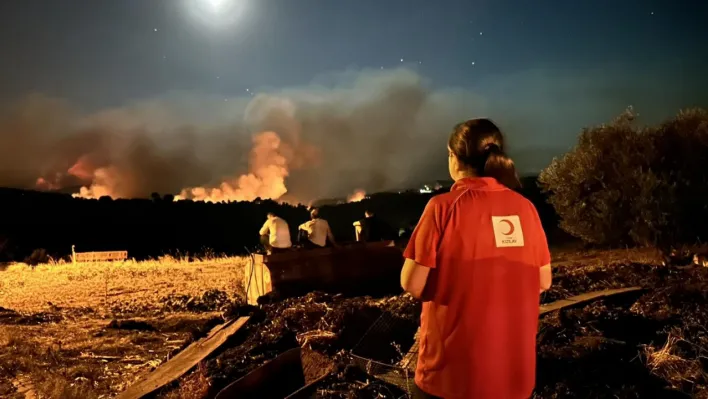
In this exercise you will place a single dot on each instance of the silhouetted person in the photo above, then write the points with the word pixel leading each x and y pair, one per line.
pixel 315 232
pixel 374 229
pixel 275 234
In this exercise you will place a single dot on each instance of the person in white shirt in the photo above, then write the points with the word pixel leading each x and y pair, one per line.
pixel 275 234
pixel 316 231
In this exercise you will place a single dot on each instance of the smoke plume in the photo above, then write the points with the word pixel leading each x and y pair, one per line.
pixel 297 145
pixel 342 136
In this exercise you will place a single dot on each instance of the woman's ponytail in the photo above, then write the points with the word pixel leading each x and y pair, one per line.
pixel 499 166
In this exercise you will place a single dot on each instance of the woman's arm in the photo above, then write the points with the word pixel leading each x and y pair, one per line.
pixel 414 277
pixel 422 250
pixel 546 277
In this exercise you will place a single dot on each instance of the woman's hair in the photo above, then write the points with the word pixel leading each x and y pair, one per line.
pixel 479 145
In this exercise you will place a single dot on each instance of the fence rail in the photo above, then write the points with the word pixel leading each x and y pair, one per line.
pixel 100 256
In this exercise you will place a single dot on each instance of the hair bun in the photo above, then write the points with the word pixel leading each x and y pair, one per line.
pixel 492 147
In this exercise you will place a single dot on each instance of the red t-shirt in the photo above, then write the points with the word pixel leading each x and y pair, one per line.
pixel 485 245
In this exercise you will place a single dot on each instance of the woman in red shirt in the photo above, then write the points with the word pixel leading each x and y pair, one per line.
pixel 479 260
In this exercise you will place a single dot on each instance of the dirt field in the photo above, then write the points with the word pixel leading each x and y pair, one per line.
pixel 62 327
pixel 88 331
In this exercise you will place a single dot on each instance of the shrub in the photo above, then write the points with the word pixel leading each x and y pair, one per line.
pixel 625 184
pixel 37 257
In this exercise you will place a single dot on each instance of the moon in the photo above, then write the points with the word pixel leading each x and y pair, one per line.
pixel 511 227
pixel 216 14
pixel 215 4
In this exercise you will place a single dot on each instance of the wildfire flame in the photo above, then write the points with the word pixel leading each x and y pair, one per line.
pixel 269 168
pixel 104 183
pixel 357 196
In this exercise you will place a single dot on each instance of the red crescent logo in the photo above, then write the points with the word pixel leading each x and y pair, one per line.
pixel 511 227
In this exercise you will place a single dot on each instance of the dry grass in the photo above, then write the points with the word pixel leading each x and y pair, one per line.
pixel 83 359
pixel 194 385
pixel 667 363
pixel 79 357
pixel 101 285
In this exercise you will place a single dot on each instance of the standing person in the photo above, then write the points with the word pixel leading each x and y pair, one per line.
pixel 374 228
pixel 479 260
pixel 315 232
pixel 275 234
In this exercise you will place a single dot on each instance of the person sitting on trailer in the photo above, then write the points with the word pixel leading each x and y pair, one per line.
pixel 315 232
pixel 275 234
pixel 374 229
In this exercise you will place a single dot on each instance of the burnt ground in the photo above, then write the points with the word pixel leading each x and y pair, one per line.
pixel 653 343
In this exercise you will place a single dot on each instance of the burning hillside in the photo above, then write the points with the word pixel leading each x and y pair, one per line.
pixel 357 196
pixel 266 178
pixel 298 144
pixel 270 163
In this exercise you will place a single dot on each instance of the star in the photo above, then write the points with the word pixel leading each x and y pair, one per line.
pixel 218 77
pixel 472 62
pixel 480 33
pixel 248 89
pixel 155 29
pixel 401 59
pixel 420 62
pixel 651 13
pixel 382 68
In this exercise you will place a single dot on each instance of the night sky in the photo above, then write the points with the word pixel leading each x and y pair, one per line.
pixel 542 69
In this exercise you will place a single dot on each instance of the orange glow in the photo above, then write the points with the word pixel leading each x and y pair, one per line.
pixel 104 183
pixel 82 169
pixel 357 196
pixel 44 184
pixel 268 168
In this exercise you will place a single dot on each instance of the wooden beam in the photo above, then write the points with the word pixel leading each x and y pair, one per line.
pixel 183 361
pixel 583 298
pixel 410 359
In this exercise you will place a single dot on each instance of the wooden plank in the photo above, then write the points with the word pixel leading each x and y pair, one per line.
pixel 410 359
pixel 183 361
pixel 582 298
pixel 256 279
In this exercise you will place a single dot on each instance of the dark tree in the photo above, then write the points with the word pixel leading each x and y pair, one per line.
pixel 626 184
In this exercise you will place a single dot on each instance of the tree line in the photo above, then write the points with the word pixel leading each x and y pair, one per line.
pixel 153 227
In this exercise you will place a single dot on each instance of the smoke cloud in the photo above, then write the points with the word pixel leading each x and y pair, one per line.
pixel 354 132
pixel 298 144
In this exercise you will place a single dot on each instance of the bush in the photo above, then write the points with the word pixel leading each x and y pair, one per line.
pixel 625 184
pixel 38 256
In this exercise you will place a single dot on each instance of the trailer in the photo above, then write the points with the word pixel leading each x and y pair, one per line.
pixel 371 268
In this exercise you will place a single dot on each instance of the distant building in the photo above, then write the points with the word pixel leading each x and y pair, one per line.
pixel 435 186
